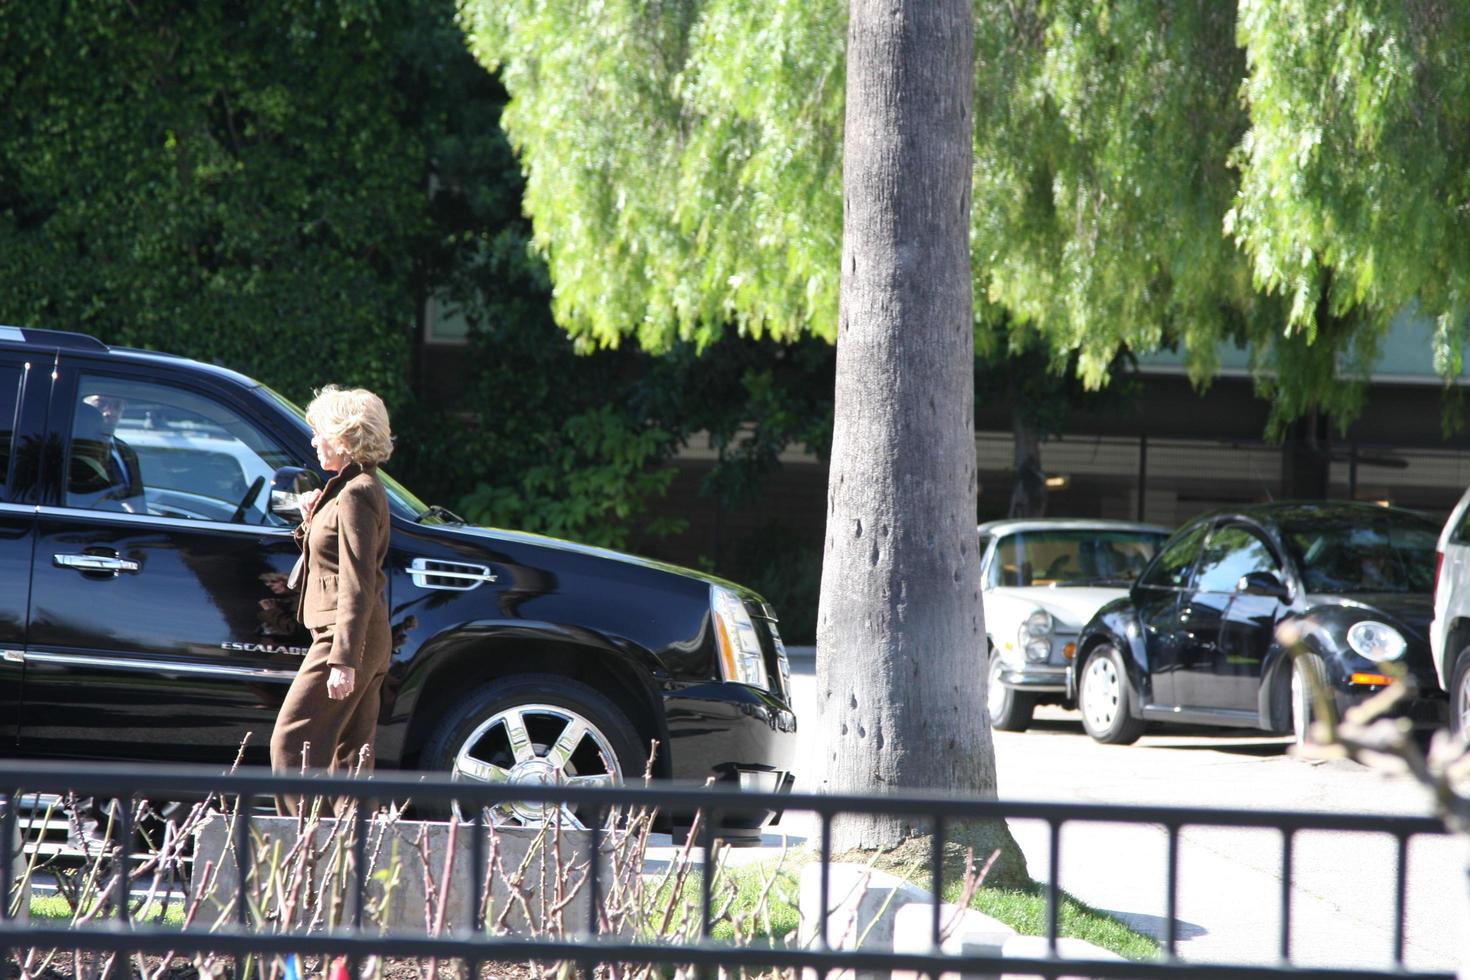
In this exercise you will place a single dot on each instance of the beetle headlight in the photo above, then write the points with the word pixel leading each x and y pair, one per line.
pixel 741 659
pixel 1376 641
pixel 1034 635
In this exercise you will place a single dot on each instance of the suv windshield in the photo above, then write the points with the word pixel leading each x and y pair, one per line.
pixel 398 494
pixel 1392 552
pixel 1075 556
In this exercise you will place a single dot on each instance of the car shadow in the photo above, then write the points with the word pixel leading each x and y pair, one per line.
pixel 1153 925
pixel 1251 748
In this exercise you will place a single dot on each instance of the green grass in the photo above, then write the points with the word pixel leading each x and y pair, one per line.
pixel 1023 909
pixel 54 908
pixel 1025 912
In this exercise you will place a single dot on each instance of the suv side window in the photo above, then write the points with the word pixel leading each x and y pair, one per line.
pixel 1171 569
pixel 143 447
pixel 1233 552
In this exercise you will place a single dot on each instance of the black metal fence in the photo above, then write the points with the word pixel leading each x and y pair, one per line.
pixel 472 943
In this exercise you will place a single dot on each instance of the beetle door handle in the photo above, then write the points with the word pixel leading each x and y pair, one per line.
pixel 96 563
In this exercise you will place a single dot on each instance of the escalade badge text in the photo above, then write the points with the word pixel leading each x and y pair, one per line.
pixel 265 648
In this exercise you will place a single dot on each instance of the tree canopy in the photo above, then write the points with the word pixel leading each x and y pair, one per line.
pixel 1148 173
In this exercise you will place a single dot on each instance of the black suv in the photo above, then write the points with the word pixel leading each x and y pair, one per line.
pixel 145 540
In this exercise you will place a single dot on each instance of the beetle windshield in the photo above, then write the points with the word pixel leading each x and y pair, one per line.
pixel 1072 556
pixel 1388 552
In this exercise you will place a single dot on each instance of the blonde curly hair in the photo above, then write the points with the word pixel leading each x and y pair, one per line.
pixel 355 420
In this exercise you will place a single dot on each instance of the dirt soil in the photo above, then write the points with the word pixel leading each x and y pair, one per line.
pixel 64 966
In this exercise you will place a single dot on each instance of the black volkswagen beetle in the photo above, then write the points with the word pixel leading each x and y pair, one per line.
pixel 1203 635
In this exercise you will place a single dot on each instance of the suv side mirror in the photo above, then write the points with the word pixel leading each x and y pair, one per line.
pixel 287 486
pixel 1262 583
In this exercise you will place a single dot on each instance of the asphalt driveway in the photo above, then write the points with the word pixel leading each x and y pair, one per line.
pixel 1230 880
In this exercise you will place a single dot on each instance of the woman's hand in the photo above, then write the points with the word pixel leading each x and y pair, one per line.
pixel 340 682
pixel 308 503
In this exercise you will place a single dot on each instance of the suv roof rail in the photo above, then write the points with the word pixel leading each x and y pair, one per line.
pixel 51 338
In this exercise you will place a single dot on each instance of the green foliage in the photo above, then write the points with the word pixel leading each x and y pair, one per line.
pixel 682 160
pixel 277 187
pixel 594 477
pixel 233 181
pixel 1353 193
pixel 1102 132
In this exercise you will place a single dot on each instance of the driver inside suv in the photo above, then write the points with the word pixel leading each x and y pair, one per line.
pixel 103 472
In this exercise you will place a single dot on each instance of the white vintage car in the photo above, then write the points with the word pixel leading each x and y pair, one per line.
pixel 1042 579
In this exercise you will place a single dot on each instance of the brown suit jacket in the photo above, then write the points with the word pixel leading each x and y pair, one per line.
pixel 344 586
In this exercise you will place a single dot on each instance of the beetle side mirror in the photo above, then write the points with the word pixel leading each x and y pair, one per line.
pixel 1262 583
pixel 287 486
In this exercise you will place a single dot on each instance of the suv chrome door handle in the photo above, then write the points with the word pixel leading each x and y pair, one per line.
pixel 96 563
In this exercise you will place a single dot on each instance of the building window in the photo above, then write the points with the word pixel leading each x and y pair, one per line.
pixel 445 322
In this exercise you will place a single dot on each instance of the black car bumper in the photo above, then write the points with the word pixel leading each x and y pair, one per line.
pixel 735 735
pixel 1424 712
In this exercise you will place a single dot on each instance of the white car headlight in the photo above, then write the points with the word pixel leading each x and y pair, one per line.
pixel 1376 641
pixel 1034 635
pixel 741 659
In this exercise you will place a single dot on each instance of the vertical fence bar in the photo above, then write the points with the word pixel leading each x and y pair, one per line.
pixel 7 857
pixel 936 876
pixel 826 880
pixel 706 880
pixel 594 878
pixel 359 877
pixel 1053 879
pixel 1171 891
pixel 243 865
pixel 7 861
pixel 1400 899
pixel 1288 839
pixel 477 880
pixel 124 857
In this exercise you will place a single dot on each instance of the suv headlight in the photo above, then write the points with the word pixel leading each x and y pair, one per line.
pixel 1376 641
pixel 1034 636
pixel 741 659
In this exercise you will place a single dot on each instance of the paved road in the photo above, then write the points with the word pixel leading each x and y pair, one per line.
pixel 1230 880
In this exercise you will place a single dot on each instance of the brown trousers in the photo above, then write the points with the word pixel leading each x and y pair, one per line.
pixel 316 732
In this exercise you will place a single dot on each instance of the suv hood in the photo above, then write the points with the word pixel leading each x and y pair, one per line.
pixel 592 551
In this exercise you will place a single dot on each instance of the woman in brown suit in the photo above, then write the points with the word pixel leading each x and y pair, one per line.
pixel 330 715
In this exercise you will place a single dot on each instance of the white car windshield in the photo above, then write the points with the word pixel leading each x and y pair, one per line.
pixel 1074 556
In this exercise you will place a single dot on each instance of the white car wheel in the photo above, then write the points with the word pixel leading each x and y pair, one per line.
pixel 1104 699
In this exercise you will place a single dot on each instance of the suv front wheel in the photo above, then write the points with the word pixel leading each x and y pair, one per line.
pixel 535 730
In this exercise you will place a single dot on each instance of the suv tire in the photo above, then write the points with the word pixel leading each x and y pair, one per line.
pixel 1460 696
pixel 477 740
pixel 1010 710
pixel 1104 698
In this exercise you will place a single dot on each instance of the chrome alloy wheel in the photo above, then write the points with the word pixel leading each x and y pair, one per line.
pixel 1102 692
pixel 537 745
